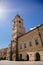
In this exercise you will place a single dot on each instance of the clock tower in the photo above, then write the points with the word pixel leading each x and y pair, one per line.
pixel 17 27
pixel 17 30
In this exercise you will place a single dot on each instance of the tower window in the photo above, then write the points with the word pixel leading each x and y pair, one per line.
pixel 19 21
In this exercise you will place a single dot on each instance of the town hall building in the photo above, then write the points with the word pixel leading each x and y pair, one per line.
pixel 25 46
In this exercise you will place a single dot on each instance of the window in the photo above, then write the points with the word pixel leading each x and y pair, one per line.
pixel 19 21
pixel 36 41
pixel 20 46
pixel 24 45
pixel 30 44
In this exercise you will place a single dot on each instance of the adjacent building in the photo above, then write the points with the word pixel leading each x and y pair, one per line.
pixel 26 46
pixel 3 53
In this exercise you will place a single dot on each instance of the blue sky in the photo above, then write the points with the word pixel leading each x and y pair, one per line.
pixel 31 12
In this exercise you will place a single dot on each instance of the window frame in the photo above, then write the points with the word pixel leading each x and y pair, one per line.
pixel 30 44
pixel 36 41
pixel 20 46
pixel 25 45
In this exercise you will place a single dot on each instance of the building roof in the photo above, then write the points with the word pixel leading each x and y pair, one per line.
pixel 18 17
pixel 30 30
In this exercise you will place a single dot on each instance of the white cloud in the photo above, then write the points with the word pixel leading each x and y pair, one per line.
pixel 32 28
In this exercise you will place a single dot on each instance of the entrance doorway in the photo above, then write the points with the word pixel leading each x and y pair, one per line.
pixel 27 57
pixel 4 58
pixel 20 57
pixel 37 57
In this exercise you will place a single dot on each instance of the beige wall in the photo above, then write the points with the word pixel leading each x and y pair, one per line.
pixel 31 36
pixel 31 51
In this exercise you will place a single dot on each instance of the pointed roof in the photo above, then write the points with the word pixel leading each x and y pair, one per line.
pixel 18 16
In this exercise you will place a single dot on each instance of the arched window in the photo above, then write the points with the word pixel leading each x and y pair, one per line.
pixel 19 21
pixel 37 57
